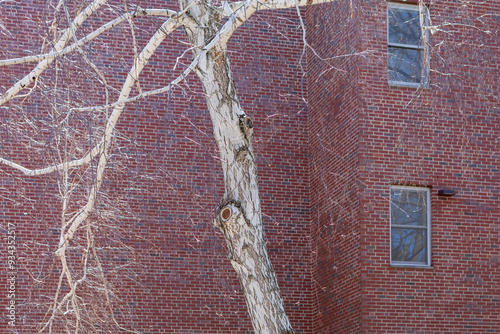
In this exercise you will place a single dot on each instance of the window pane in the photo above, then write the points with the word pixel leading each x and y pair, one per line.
pixel 405 65
pixel 409 245
pixel 409 207
pixel 404 26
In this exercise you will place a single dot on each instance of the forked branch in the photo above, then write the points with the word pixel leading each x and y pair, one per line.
pixel 56 168
pixel 96 33
pixel 67 35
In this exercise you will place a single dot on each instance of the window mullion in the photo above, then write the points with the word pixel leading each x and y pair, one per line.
pixel 405 46
pixel 408 227
pixel 410 244
pixel 406 64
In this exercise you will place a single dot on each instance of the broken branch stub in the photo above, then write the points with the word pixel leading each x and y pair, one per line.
pixel 226 213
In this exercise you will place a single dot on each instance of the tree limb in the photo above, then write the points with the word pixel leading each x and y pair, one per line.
pixel 56 168
pixel 68 33
pixel 277 4
pixel 90 37
pixel 169 26
pixel 155 41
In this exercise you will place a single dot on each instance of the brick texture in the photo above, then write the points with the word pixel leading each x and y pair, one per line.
pixel 366 136
pixel 334 136
pixel 331 137
pixel 164 261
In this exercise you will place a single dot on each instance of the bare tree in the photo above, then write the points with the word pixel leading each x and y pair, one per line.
pixel 208 28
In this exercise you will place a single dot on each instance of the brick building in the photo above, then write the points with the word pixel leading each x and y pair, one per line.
pixel 379 171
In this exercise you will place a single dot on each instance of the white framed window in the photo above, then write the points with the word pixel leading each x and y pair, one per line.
pixel 410 226
pixel 407 56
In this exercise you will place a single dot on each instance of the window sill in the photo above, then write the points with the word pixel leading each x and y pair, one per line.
pixel 414 266
pixel 399 84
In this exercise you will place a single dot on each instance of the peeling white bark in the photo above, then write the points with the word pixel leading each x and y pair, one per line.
pixel 249 258
pixel 239 216
pixel 242 229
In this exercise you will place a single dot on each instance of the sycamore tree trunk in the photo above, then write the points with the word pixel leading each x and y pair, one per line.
pixel 208 28
pixel 239 215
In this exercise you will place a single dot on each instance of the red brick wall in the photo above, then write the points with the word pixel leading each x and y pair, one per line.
pixel 152 225
pixel 325 170
pixel 441 137
pixel 334 131
pixel 366 136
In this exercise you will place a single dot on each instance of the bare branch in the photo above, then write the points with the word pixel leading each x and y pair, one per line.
pixel 278 4
pixel 155 41
pixel 102 149
pixel 164 89
pixel 57 168
pixel 169 26
pixel 90 37
pixel 281 4
pixel 67 35
pixel 242 11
